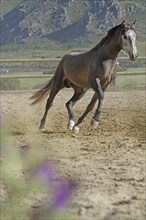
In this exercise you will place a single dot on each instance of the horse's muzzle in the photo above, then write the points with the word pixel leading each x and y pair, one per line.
pixel 133 57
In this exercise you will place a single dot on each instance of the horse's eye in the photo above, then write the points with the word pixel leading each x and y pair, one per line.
pixel 125 37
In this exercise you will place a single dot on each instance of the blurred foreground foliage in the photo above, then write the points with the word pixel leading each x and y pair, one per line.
pixel 31 188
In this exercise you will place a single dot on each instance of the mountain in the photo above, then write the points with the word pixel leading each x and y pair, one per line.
pixel 66 21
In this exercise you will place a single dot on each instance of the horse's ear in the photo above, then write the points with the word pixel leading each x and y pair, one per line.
pixel 122 26
pixel 123 23
pixel 133 23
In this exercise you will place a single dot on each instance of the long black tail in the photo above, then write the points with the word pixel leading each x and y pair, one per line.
pixel 42 93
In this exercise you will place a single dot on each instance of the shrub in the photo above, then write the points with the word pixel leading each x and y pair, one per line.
pixel 9 84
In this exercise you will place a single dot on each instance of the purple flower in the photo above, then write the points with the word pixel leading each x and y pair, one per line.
pixel 46 172
pixel 63 193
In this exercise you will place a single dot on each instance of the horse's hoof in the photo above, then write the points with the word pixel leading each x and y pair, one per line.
pixel 41 129
pixel 94 123
pixel 76 129
pixel 71 125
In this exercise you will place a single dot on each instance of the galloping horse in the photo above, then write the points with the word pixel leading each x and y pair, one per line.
pixel 94 69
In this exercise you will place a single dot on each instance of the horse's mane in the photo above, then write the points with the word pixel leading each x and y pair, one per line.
pixel 106 39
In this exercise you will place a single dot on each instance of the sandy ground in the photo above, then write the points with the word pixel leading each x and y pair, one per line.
pixel 110 161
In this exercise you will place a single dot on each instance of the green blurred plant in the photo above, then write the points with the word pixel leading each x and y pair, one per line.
pixel 31 188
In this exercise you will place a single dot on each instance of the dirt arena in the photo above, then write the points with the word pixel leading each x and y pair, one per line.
pixel 109 161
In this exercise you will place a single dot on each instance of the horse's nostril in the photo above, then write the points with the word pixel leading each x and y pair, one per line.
pixel 132 57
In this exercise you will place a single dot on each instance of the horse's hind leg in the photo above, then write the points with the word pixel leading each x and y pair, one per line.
pixel 55 89
pixel 78 94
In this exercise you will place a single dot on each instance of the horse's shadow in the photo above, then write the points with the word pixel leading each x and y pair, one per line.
pixel 17 133
pixel 45 131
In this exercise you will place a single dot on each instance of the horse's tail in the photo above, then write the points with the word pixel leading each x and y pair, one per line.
pixel 42 93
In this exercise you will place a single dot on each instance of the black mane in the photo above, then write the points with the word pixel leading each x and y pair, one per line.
pixel 106 39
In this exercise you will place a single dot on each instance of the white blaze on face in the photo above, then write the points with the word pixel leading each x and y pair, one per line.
pixel 129 44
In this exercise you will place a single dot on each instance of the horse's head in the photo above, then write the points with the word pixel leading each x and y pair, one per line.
pixel 128 40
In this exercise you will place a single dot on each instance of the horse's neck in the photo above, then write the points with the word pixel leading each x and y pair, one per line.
pixel 108 51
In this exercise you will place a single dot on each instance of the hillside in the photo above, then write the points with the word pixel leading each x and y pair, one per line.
pixel 38 24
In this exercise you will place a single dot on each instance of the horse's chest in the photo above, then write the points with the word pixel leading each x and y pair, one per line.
pixel 108 67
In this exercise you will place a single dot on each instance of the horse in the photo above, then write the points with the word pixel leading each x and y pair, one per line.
pixel 94 69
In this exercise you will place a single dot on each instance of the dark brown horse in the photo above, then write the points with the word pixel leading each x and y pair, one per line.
pixel 94 69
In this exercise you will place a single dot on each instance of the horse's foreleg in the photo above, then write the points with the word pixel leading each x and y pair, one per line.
pixel 88 109
pixel 78 94
pixel 100 92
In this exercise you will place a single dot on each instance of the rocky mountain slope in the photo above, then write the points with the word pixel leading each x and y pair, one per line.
pixel 66 20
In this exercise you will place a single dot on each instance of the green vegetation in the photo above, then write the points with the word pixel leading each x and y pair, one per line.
pixel 12 52
pixel 139 2
pixel 9 84
pixel 8 5
pixel 42 53
pixel 77 10
pixel 32 83
pixel 36 83
pixel 138 70
pixel 131 81
pixel 36 46
pixel 141 46
pixel 23 83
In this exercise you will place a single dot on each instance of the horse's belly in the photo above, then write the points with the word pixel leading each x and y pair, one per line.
pixel 80 81
pixel 79 77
